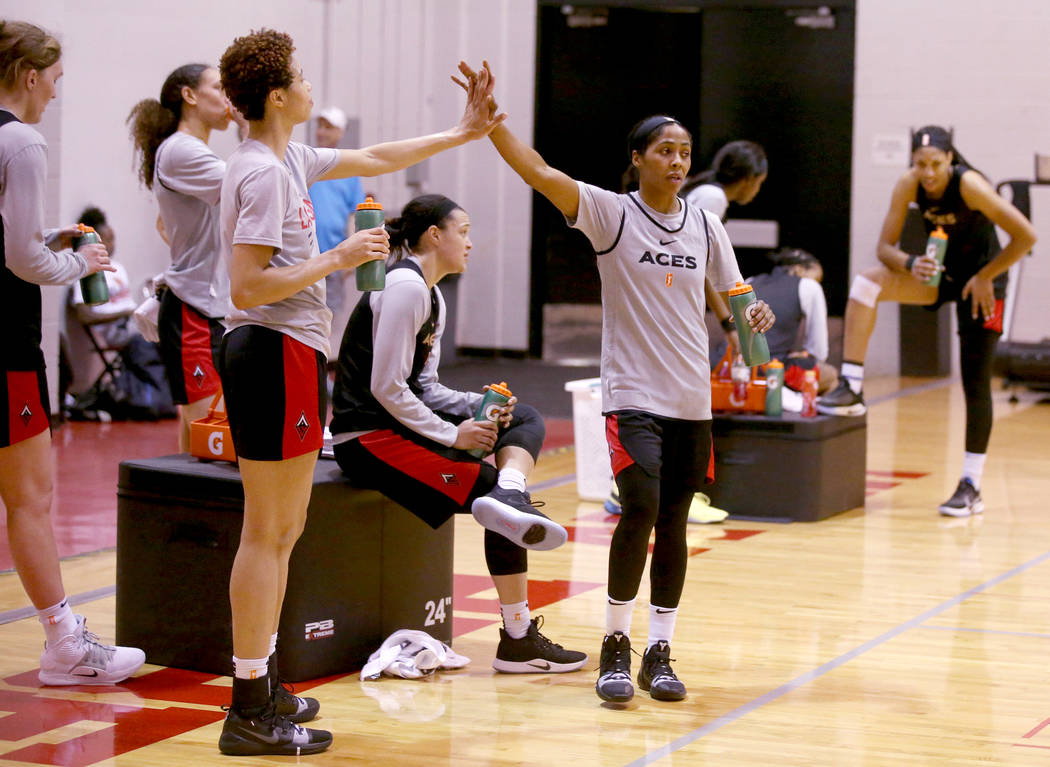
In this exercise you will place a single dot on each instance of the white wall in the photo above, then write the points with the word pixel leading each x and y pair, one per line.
pixel 388 64
pixel 957 62
pixel 977 66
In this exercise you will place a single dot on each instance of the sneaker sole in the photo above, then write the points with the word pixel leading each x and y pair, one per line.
pixel 237 746
pixel 116 676
pixel 858 409
pixel 537 666
pixel 614 698
pixel 661 694
pixel 965 511
pixel 527 530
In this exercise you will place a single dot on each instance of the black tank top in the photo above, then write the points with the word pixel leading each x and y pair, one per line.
pixel 779 289
pixel 972 241
pixel 19 305
pixel 353 406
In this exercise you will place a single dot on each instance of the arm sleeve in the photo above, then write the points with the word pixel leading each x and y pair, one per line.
pixel 815 308
pixel 25 253
pixel 437 396
pixel 262 198
pixel 722 268
pixel 403 307
pixel 600 216
pixel 195 171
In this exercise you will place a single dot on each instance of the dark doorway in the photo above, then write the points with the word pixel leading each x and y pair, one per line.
pixel 726 72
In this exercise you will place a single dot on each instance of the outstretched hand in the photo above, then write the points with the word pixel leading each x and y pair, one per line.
pixel 481 115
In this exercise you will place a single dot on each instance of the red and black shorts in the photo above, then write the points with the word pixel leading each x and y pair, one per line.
pixel 24 392
pixel 666 448
pixel 275 391
pixel 189 346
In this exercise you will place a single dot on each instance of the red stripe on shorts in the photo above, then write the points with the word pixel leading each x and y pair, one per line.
pixel 302 432
pixel 198 368
pixel 711 464
pixel 26 416
pixel 617 454
pixel 453 479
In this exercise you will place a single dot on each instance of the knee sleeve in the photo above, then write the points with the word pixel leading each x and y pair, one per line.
pixel 526 431
pixel 865 291
pixel 504 557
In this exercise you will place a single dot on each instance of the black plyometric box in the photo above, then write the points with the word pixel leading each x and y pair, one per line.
pixel 363 568
pixel 790 467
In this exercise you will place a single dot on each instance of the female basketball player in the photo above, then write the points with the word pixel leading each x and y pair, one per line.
pixel 171 136
pixel 30 65
pixel 654 252
pixel 398 430
pixel 953 196
pixel 737 172
pixel 273 355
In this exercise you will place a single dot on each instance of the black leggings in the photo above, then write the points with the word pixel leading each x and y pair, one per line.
pixel 976 352
pixel 649 502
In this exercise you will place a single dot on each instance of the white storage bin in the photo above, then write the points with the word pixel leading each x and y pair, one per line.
pixel 593 467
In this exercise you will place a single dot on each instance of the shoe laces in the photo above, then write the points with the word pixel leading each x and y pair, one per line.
pixel 95 653
pixel 619 659
pixel 659 665
pixel 538 622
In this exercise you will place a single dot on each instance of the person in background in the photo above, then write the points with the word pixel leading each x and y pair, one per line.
pixel 334 204
pixel 399 430
pixel 953 196
pixel 800 337
pixel 170 137
pixel 30 66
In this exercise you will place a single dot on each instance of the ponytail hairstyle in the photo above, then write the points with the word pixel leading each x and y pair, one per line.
pixel 789 257
pixel 736 161
pixel 151 121
pixel 416 218
pixel 642 136
pixel 24 46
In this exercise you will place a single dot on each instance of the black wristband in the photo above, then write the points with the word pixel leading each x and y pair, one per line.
pixel 728 325
pixel 910 263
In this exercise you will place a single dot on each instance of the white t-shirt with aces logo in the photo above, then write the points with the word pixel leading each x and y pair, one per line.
pixel 652 266
pixel 265 202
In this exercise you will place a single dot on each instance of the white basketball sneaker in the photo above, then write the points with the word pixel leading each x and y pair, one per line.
pixel 80 658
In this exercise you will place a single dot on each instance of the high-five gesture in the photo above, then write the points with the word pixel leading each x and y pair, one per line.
pixel 480 115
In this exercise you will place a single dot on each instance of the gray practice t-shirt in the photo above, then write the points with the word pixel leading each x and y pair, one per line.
pixel 187 181
pixel 265 202
pixel 652 266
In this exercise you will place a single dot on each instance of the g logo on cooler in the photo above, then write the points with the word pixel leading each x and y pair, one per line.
pixel 215 443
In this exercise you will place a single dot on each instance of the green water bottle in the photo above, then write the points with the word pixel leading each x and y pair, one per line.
pixel 936 247
pixel 774 387
pixel 496 397
pixel 93 287
pixel 372 274
pixel 753 345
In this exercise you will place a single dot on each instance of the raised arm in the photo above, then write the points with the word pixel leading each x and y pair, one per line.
pixel 477 122
pixel 553 184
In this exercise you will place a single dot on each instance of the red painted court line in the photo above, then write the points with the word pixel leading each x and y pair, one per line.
pixel 1035 730
pixel 874 484
pixel 898 474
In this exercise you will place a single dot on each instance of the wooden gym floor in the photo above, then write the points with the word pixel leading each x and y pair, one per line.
pixel 884 635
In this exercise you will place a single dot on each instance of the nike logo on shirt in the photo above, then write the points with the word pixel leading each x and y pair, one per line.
pixel 668 242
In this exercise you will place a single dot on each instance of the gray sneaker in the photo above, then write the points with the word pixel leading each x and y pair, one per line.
pixel 842 400
pixel 656 677
pixel 965 501
pixel 81 658
pixel 512 514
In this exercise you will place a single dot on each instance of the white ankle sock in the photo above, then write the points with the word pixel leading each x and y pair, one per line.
pixel 618 616
pixel 516 619
pixel 249 668
pixel 973 467
pixel 661 624
pixel 58 621
pixel 273 645
pixel 854 375
pixel 511 479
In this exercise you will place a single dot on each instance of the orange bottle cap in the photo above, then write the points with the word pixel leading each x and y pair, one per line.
pixel 810 375
pixel 369 204
pixel 85 229
pixel 740 289
pixel 774 363
pixel 940 233
pixel 500 388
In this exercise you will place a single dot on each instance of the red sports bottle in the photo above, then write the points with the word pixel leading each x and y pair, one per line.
pixel 809 394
